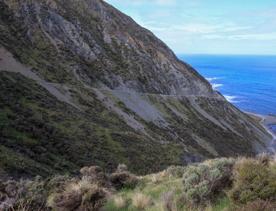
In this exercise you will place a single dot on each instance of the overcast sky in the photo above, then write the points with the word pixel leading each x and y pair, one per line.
pixel 208 26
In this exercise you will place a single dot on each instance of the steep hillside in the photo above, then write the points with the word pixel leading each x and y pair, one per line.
pixel 83 84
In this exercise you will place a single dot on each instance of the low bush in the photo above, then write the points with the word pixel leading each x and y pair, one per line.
pixel 254 179
pixel 204 181
pixel 81 195
pixel 95 174
pixel 123 178
pixel 23 195
pixel 34 194
pixel 9 191
pixel 88 191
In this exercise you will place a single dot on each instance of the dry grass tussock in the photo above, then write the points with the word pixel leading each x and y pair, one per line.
pixel 89 191
pixel 254 179
pixel 141 201
pixel 119 202
pixel 81 195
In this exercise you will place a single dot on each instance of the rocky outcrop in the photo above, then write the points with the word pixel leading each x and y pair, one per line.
pixel 82 83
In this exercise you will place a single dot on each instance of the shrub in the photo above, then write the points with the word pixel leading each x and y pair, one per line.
pixel 8 194
pixel 203 182
pixel 81 195
pixel 95 174
pixel 33 194
pixel 91 171
pixel 122 178
pixel 141 201
pixel 253 179
pixel 23 195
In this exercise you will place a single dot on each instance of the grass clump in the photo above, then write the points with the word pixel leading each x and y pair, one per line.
pixel 254 179
pixel 87 193
pixel 169 203
pixel 120 202
pixel 141 201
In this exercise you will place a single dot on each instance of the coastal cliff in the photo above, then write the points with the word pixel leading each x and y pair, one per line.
pixel 83 84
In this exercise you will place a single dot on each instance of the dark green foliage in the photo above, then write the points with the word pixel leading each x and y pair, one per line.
pixel 42 136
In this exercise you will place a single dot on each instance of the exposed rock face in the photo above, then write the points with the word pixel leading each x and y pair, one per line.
pixel 81 84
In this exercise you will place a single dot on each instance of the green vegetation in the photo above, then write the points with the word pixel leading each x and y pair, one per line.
pixel 204 186
pixel 43 136
pixel 254 179
pixel 214 185
pixel 71 43
pixel 204 182
pixel 75 42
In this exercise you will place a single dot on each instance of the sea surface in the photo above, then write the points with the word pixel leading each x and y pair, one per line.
pixel 249 82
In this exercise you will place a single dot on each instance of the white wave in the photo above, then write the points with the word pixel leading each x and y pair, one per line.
pixel 231 99
pixel 216 86
pixel 212 79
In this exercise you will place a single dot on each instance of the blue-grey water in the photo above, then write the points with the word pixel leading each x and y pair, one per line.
pixel 249 82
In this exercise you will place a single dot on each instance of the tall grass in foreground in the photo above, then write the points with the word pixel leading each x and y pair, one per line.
pixel 245 184
pixel 225 184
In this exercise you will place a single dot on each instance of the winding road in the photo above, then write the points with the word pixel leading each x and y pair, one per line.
pixel 266 121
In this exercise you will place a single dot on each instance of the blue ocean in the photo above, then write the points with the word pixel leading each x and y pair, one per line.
pixel 249 82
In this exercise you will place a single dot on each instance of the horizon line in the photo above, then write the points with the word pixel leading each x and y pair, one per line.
pixel 223 54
